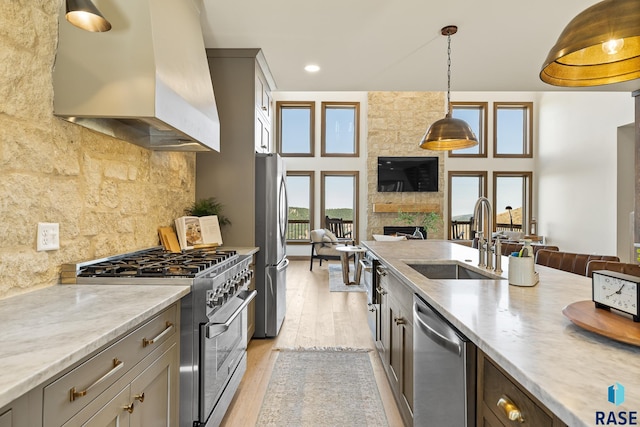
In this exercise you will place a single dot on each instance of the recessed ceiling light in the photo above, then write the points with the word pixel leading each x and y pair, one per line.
pixel 312 68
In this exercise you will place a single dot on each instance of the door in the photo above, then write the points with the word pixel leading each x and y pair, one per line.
pixel 271 209
pixel 275 298
pixel 446 360
pixel 155 392
pixel 283 209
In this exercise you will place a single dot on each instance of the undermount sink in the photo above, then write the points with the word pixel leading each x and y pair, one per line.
pixel 450 270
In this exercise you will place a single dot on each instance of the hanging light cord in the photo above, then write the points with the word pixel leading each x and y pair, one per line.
pixel 449 75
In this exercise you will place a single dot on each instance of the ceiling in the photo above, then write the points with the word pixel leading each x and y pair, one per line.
pixel 370 45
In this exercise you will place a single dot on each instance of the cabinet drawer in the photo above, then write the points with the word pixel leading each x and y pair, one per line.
pixel 497 385
pixel 74 390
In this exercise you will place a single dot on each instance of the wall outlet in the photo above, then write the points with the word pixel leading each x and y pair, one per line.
pixel 48 238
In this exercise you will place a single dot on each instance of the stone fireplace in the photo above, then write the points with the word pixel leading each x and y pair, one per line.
pixel 396 122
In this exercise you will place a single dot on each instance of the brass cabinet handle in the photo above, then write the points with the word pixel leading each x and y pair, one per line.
pixel 117 365
pixel 510 409
pixel 139 397
pixel 399 321
pixel 128 408
pixel 146 342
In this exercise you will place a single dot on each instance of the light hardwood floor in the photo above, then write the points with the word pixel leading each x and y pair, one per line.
pixel 315 318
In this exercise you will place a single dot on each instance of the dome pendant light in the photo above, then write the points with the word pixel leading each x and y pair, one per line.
pixel 449 133
pixel 85 15
pixel 600 46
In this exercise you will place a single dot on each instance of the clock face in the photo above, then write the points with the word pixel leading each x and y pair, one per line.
pixel 616 293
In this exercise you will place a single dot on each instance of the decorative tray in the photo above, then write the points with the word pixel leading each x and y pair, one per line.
pixel 619 327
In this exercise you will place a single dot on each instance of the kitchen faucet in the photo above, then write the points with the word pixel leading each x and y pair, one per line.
pixel 486 251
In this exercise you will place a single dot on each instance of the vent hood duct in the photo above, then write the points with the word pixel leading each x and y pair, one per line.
pixel 146 81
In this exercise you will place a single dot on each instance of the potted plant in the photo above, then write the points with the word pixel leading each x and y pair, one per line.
pixel 205 207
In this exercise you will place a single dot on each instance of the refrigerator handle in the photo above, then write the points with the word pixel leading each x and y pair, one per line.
pixel 283 264
pixel 284 213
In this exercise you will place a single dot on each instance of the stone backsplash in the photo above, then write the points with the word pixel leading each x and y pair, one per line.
pixel 108 196
pixel 396 123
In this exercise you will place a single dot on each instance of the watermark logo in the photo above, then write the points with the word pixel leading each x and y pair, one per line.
pixel 616 394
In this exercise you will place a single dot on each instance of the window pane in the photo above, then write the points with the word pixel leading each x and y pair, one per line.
pixel 512 130
pixel 465 190
pixel 299 197
pixel 295 128
pixel 510 193
pixel 340 129
pixel 339 200
pixel 474 116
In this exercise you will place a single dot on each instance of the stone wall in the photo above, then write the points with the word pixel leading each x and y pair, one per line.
pixel 108 196
pixel 396 123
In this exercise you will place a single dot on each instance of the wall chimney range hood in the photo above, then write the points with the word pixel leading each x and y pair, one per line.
pixel 146 81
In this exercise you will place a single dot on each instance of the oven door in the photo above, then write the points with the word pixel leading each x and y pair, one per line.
pixel 223 345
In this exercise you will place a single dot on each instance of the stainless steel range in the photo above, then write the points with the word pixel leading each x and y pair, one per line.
pixel 213 330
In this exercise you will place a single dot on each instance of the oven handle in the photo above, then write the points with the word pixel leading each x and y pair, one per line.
pixel 215 329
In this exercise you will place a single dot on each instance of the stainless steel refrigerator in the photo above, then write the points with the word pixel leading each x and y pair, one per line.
pixel 271 237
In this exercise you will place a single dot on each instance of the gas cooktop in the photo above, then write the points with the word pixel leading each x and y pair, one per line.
pixel 154 263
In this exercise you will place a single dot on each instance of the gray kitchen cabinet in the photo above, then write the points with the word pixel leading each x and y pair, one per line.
pixel 150 400
pixel 244 128
pixel 264 111
pixel 25 411
pixel 396 349
pixel 131 382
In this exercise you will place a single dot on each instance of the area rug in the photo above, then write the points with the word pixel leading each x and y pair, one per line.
pixel 336 284
pixel 322 387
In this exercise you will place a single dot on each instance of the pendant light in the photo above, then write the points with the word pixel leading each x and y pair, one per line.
pixel 449 133
pixel 600 46
pixel 85 15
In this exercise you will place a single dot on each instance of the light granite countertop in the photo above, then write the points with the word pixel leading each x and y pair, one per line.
pixel 48 330
pixel 523 329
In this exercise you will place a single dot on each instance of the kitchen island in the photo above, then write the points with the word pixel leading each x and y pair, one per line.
pixel 523 330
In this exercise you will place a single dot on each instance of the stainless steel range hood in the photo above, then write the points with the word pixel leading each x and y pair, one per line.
pixel 146 81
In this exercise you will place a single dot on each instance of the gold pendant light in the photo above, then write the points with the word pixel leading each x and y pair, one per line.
pixel 449 133
pixel 85 15
pixel 600 46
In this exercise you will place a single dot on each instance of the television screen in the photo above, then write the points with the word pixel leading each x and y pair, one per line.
pixel 407 174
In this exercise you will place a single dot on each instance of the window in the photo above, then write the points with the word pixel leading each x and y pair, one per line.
pixel 464 189
pixel 475 114
pixel 339 198
pixel 340 129
pixel 300 198
pixel 512 200
pixel 295 128
pixel 513 129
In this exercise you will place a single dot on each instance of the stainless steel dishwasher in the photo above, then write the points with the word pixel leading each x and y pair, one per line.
pixel 444 377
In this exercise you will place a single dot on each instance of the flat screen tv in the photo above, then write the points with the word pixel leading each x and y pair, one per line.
pixel 407 174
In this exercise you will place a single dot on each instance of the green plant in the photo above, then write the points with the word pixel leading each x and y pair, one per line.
pixel 205 207
pixel 429 220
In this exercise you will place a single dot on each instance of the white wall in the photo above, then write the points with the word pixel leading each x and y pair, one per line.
pixel 576 168
pixel 319 163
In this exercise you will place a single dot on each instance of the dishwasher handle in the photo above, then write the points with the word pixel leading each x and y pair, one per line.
pixel 452 346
